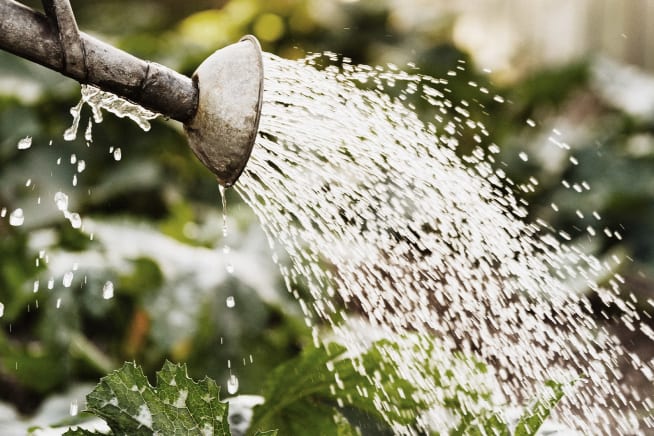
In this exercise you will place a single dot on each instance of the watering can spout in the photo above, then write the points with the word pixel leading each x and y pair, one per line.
pixel 223 130
pixel 219 106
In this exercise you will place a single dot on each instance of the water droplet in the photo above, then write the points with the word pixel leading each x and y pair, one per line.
pixel 28 183
pixel 68 279
pixel 118 154
pixel 61 200
pixel 74 408
pixel 88 134
pixel 81 166
pixel 50 283
pixel 230 301
pixel 229 268
pixel 73 159
pixel 3 212
pixel 58 303
pixel 75 220
pixel 108 290
pixel 531 123
pixel 17 218
pixel 25 143
pixel 523 156
pixel 74 179
pixel 71 133
pixel 232 384
pixel 2 310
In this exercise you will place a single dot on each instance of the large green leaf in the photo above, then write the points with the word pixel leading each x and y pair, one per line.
pixel 176 406
pixel 310 389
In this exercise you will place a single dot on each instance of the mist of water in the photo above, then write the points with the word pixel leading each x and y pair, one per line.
pixel 373 216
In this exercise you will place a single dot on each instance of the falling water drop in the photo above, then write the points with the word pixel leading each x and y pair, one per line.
pixel 88 134
pixel 81 166
pixel 17 218
pixel 232 384
pixel 230 302
pixel 68 279
pixel 223 199
pixel 25 143
pixel 75 220
pixel 108 290
pixel 229 267
pixel 118 153
pixel 2 310
pixel 61 200
pixel 74 408
pixel 3 212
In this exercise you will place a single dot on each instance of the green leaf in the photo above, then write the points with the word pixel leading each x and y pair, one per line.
pixel 484 424
pixel 293 391
pixel 177 405
pixel 534 416
pixel 82 432
pixel 308 391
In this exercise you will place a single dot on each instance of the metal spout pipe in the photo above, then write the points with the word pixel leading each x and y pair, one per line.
pixel 219 106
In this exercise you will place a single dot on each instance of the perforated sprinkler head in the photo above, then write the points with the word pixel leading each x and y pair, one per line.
pixel 223 130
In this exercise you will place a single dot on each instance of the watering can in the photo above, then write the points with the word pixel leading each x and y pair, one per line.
pixel 219 106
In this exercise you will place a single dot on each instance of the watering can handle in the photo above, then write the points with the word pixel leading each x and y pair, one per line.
pixel 55 42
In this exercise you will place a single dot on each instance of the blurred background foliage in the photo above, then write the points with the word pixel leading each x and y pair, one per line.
pixel 576 137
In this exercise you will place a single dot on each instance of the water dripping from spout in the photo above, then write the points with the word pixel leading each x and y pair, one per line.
pixel 229 267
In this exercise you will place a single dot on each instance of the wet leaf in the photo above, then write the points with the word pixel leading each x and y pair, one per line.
pixel 534 416
pixel 309 389
pixel 177 405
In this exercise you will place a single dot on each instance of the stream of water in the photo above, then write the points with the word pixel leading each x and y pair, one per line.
pixel 381 230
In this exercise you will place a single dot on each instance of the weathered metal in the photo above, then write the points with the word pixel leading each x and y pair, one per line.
pixel 63 19
pixel 224 128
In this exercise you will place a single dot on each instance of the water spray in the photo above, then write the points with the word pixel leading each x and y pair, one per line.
pixel 219 106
